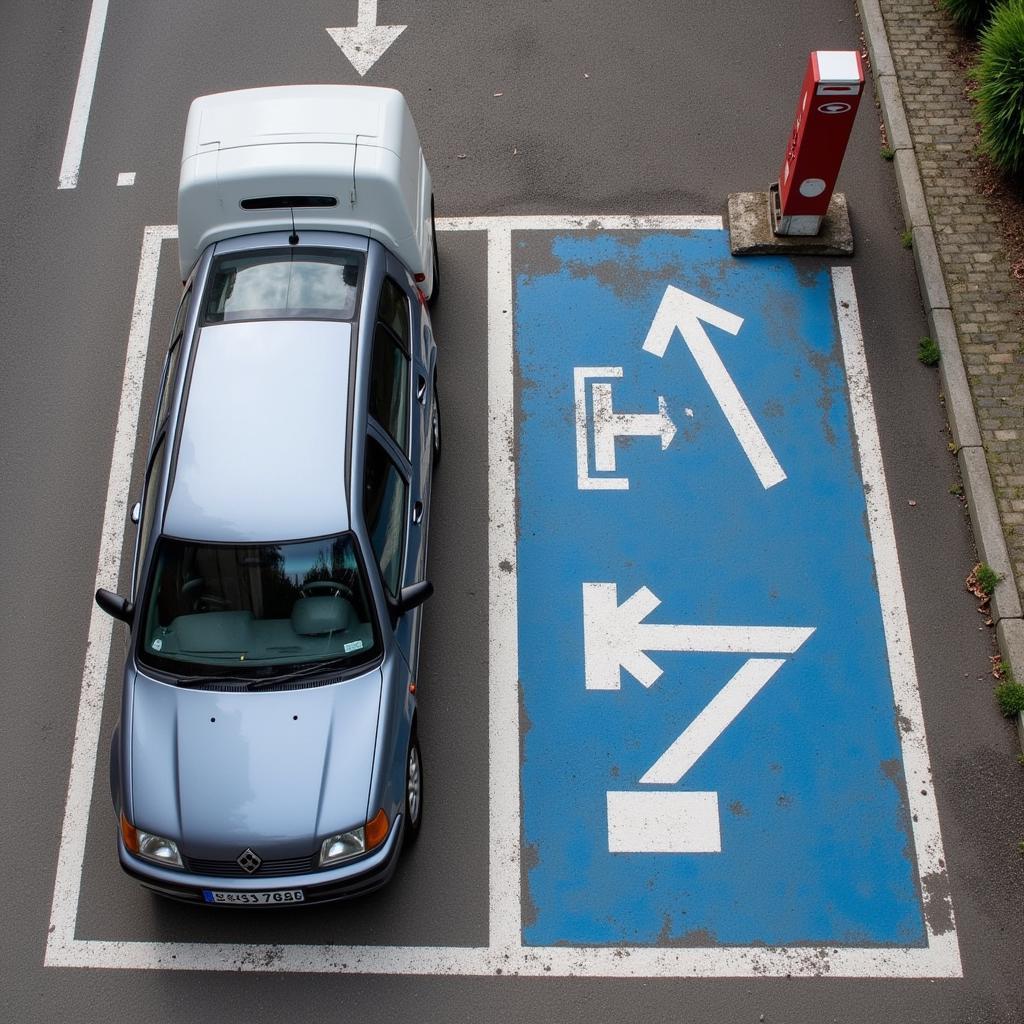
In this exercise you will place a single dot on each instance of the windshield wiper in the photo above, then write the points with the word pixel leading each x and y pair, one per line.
pixel 307 670
pixel 200 681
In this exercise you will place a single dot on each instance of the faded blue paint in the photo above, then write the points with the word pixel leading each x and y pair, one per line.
pixel 816 842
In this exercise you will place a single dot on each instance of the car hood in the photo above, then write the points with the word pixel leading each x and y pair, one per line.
pixel 276 771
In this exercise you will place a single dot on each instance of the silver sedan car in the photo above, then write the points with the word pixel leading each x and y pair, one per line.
pixel 267 749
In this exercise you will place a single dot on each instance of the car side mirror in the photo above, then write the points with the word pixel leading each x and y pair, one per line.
pixel 115 605
pixel 136 513
pixel 414 596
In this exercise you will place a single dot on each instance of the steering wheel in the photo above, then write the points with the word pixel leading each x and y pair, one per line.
pixel 339 589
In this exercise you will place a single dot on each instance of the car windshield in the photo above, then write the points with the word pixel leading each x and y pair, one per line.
pixel 256 610
pixel 283 284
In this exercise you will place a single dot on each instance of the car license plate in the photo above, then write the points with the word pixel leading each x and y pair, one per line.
pixel 278 896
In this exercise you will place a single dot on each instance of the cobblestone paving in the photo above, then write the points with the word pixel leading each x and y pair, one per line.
pixel 986 300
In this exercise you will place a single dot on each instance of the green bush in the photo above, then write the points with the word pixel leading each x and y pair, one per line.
pixel 1000 91
pixel 970 15
pixel 928 352
pixel 1011 698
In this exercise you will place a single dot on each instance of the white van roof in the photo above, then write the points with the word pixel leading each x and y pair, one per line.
pixel 353 146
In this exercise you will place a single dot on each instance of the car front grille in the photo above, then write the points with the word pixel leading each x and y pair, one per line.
pixel 268 869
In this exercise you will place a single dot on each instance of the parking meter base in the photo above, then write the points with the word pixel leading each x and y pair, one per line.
pixel 752 228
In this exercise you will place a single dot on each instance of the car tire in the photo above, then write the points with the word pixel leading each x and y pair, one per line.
pixel 435 291
pixel 435 424
pixel 413 790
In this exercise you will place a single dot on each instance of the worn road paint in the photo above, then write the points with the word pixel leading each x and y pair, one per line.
pixel 505 954
pixel 75 142
pixel 816 843
pixel 365 44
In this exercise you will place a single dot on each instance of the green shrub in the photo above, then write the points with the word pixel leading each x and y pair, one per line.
pixel 928 352
pixel 987 577
pixel 1000 90
pixel 1011 698
pixel 970 15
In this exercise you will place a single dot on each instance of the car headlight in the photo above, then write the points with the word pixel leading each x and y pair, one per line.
pixel 345 845
pixel 149 846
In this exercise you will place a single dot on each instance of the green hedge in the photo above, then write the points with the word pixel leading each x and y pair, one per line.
pixel 999 95
pixel 970 15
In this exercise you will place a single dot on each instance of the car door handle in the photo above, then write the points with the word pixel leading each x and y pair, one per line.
pixel 417 512
pixel 421 390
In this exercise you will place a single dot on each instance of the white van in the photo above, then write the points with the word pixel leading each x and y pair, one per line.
pixel 314 157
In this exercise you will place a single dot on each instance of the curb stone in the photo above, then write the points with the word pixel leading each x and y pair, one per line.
pixel 963 420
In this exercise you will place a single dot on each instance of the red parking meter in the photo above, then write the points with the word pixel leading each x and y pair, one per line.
pixel 824 119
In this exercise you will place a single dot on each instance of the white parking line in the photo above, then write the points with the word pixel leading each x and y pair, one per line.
pixel 505 953
pixel 83 96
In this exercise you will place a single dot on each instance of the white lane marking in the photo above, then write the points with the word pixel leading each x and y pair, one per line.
pixel 528 961
pixel 125 178
pixel 503 713
pixel 717 716
pixel 663 822
pixel 940 959
pixel 83 96
pixel 615 635
pixel 924 814
pixel 582 222
pixel 365 44
pixel 64 909
pixel 687 313
pixel 584 481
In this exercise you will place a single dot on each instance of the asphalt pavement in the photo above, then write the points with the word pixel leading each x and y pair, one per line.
pixel 560 109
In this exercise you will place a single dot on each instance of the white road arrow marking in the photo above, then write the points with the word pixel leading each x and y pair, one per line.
pixel 712 721
pixel 615 636
pixel 686 313
pixel 609 425
pixel 365 44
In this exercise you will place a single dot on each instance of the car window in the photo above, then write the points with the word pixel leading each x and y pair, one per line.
pixel 393 310
pixel 385 497
pixel 149 503
pixel 389 386
pixel 283 284
pixel 173 355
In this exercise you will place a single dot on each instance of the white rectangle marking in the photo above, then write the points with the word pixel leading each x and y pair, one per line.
pixel 663 822
pixel 941 958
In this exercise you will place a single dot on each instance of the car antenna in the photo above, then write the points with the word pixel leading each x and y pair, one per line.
pixel 293 238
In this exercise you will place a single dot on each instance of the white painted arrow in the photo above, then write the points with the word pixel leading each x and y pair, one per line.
pixel 365 44
pixel 615 636
pixel 686 313
pixel 608 425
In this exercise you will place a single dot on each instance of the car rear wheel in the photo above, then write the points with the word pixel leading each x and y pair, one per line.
pixel 413 790
pixel 435 424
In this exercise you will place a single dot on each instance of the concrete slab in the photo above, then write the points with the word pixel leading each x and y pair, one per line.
pixel 896 127
pixel 1010 634
pixel 988 530
pixel 908 181
pixel 963 421
pixel 750 229
pixel 877 41
pixel 929 269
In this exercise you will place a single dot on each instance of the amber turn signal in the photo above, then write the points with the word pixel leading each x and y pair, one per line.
pixel 377 830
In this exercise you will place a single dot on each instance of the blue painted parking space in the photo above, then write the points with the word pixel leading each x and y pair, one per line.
pixel 710 750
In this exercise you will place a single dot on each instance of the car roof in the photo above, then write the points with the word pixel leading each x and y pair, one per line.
pixel 261 452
